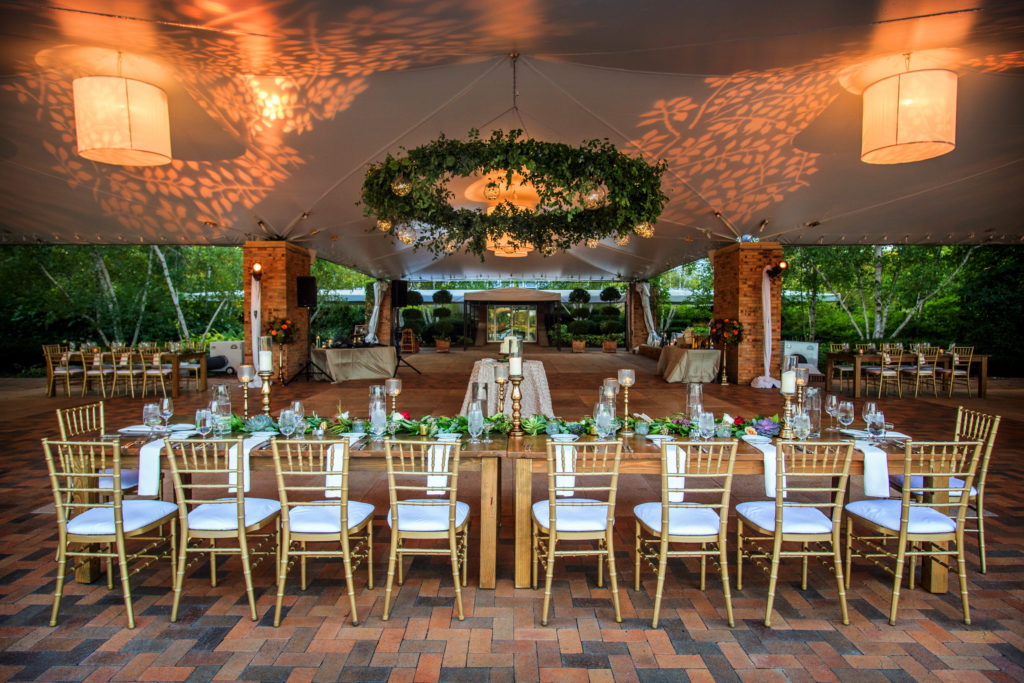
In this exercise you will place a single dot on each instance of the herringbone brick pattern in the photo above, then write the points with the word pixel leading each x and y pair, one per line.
pixel 501 637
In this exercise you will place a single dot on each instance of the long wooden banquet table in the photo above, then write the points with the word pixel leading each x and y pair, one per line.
pixel 528 456
pixel 859 360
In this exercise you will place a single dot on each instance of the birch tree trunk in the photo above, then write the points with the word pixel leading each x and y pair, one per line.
pixel 109 295
pixel 183 326
pixel 145 295
pixel 923 298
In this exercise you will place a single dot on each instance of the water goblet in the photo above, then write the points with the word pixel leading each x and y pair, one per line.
pixel 832 408
pixel 475 422
pixel 801 425
pixel 876 427
pixel 603 420
pixel 151 417
pixel 868 409
pixel 204 422
pixel 846 413
pixel 706 425
pixel 166 411
pixel 378 419
pixel 297 408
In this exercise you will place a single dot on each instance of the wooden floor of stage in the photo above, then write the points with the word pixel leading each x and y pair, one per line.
pixel 501 637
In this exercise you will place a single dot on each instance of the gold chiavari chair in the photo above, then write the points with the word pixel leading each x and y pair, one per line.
pixel 59 366
pixel 924 370
pixel 798 514
pixel 94 368
pixel 841 371
pixel 864 348
pixel 155 370
pixel 128 365
pixel 98 519
pixel 203 471
pixel 423 478
pixel 312 483
pixel 88 422
pixel 592 469
pixel 886 373
pixel 960 369
pixel 970 426
pixel 688 469
pixel 919 526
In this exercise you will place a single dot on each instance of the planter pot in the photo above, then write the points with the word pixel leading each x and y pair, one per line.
pixel 443 346
pixel 578 346
pixel 609 346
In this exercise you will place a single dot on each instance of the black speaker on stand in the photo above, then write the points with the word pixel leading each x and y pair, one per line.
pixel 305 294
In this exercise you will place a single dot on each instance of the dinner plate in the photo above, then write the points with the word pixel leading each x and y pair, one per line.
pixel 134 429
pixel 563 437
pixel 757 438
pixel 352 435
pixel 181 434
pixel 449 436
pixel 262 435
pixel 182 427
pixel 659 437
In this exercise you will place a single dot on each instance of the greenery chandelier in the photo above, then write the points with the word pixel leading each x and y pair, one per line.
pixel 583 194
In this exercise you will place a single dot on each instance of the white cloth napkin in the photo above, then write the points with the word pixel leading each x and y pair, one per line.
pixel 149 468
pixel 675 463
pixel 863 434
pixel 438 462
pixel 334 454
pixel 876 470
pixel 247 446
pixel 770 454
pixel 565 456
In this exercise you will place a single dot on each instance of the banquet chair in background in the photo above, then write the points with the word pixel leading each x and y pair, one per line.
pixel 427 472
pixel 970 426
pixel 203 470
pixel 959 370
pixel 97 518
pixel 94 368
pixel 921 522
pixel 312 484
pixel 590 469
pixel 157 370
pixel 886 373
pixel 798 514
pixel 864 348
pixel 128 365
pixel 59 366
pixel 841 371
pixel 688 469
pixel 924 370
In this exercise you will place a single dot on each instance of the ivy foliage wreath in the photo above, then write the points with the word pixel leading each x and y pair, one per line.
pixel 560 173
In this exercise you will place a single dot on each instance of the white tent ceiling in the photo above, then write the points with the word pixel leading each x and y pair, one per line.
pixel 277 107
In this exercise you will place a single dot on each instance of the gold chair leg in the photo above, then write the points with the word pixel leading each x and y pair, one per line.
pixel 660 590
pixel 58 591
pixel 213 564
pixel 837 561
pixel 369 555
pixel 243 543
pixel 739 554
pixel 122 563
pixel 302 565
pixel 392 557
pixel 347 562
pixel 533 553
pixel 803 569
pixel 612 577
pixel 282 577
pixel 549 575
pixel 849 550
pixel 465 549
pixel 457 580
pixel 109 559
pixel 773 579
pixel 179 575
pixel 979 505
pixel 897 580
pixel 600 572
pixel 636 568
pixel 723 560
pixel 703 567
pixel 961 564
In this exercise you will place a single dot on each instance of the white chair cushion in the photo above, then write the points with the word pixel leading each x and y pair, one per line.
pixel 135 514
pixel 794 520
pixel 573 517
pixel 428 517
pixel 917 482
pixel 844 368
pixel 129 479
pixel 65 370
pixel 886 513
pixel 685 521
pixel 326 519
pixel 223 516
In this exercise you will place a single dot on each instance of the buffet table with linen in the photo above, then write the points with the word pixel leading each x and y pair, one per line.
pixel 372 362
pixel 536 394
pixel 677 364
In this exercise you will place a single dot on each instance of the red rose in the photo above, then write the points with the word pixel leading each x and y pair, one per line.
pixel 273 332
pixel 405 415
pixel 738 421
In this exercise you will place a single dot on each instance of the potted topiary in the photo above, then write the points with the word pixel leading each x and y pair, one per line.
pixel 609 328
pixel 578 328
pixel 443 339
pixel 610 293
pixel 442 296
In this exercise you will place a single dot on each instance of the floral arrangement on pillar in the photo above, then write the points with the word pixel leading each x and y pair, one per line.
pixel 282 331
pixel 726 331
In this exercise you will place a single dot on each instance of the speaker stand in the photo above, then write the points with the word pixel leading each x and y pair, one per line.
pixel 396 341
pixel 310 365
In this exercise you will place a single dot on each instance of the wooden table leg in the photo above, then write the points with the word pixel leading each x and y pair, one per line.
pixel 829 362
pixel 202 373
pixel 175 376
pixel 856 375
pixel 935 574
pixel 489 493
pixel 90 568
pixel 983 378
pixel 524 500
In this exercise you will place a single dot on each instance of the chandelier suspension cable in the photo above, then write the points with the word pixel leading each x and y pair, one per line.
pixel 514 56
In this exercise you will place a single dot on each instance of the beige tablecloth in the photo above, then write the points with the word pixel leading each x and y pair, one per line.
pixel 689 365
pixel 536 394
pixel 372 362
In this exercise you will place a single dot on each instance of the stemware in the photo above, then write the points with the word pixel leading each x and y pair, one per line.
pixel 297 408
pixel 846 413
pixel 694 400
pixel 480 396
pixel 166 411
pixel 706 425
pixel 286 423
pixel 832 408
pixel 801 425
pixel 868 409
pixel 378 419
pixel 204 422
pixel 151 417
pixel 300 412
pixel 876 427
pixel 475 422
pixel 603 420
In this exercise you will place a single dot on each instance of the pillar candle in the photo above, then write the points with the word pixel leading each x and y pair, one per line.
pixel 266 361
pixel 788 382
pixel 515 366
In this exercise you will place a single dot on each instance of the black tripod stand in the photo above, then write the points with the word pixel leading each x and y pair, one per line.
pixel 396 339
pixel 310 365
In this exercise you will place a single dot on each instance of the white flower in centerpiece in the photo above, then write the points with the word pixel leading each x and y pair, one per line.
pixel 727 419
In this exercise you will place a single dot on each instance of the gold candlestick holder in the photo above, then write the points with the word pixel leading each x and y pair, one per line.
pixel 501 396
pixel 799 399
pixel 280 363
pixel 245 400
pixel 787 418
pixel 517 396
pixel 625 431
pixel 265 376
pixel 725 378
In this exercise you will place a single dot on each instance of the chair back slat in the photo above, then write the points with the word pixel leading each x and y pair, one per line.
pixel 593 472
pixel 974 426
pixel 201 467
pixel 75 469
pixel 945 468
pixel 815 470
pixel 304 468
pixel 706 470
pixel 80 420
pixel 420 469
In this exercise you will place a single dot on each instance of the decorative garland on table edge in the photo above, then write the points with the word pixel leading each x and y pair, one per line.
pixel 560 173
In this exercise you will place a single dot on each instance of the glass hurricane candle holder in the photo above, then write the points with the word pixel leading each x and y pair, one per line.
pixel 393 387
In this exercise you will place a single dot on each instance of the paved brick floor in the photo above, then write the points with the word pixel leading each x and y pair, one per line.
pixel 501 637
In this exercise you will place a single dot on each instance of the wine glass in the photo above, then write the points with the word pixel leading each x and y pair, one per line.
pixel 480 396
pixel 286 423
pixel 802 425
pixel 151 417
pixel 876 427
pixel 832 408
pixel 166 411
pixel 475 422
pixel 297 408
pixel 868 409
pixel 204 422
pixel 846 413
pixel 706 425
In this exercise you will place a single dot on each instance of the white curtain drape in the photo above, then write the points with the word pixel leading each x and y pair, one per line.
pixel 766 381
pixel 255 327
pixel 645 302
pixel 379 287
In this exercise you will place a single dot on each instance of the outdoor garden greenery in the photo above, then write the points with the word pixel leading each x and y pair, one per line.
pixel 561 174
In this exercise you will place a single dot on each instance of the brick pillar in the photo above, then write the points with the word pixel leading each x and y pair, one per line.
pixel 282 263
pixel 384 321
pixel 636 326
pixel 738 270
